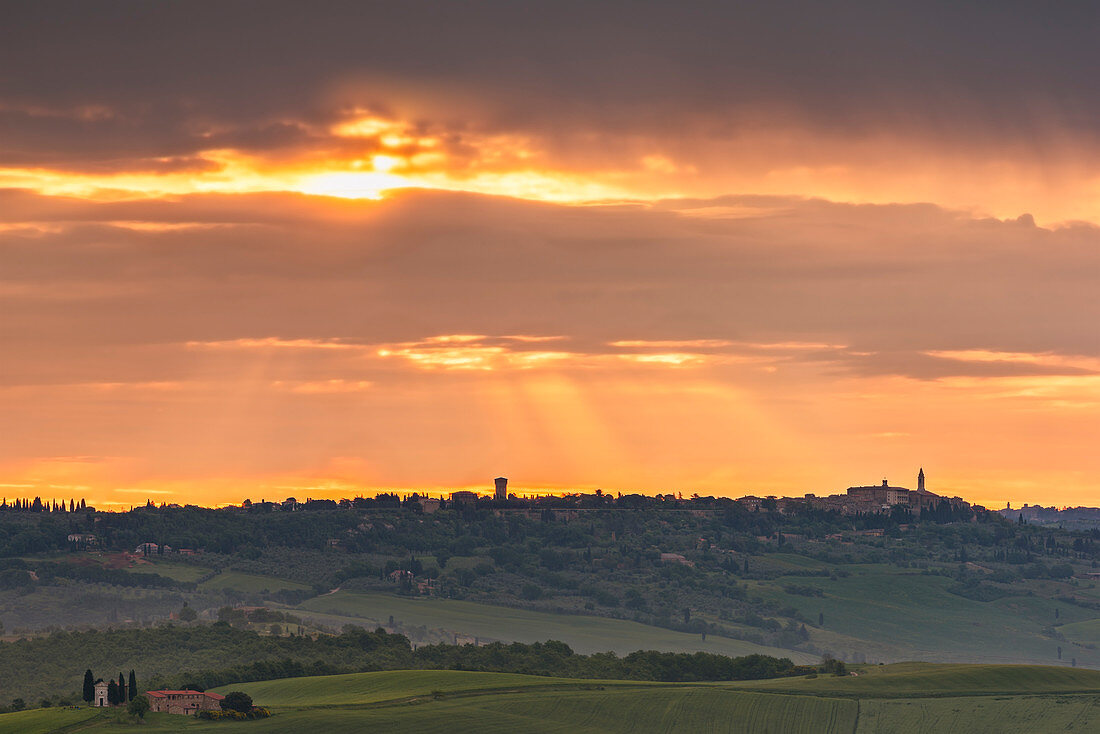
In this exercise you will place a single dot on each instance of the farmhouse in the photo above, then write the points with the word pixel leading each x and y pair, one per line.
pixel 183 702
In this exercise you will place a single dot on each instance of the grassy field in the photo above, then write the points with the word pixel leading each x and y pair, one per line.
pixel 906 699
pixel 584 634
pixel 988 715
pixel 249 582
pixel 361 688
pixel 924 679
pixel 670 709
pixel 890 615
pixel 43 721
pixel 171 569
pixel 1086 633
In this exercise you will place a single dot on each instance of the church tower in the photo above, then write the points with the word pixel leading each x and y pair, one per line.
pixel 920 480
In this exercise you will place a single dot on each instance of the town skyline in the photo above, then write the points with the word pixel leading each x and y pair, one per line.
pixel 500 489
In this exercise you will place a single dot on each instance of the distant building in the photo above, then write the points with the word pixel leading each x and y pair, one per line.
pixel 187 703
pixel 501 488
pixel 464 497
pixel 675 558
pixel 873 498
pixel 882 494
pixel 888 496
pixel 83 540
pixel 100 698
pixel 428 505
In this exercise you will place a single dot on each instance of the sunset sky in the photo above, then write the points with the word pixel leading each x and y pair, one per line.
pixel 265 249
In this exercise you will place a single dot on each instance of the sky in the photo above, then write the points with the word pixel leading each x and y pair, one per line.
pixel 270 249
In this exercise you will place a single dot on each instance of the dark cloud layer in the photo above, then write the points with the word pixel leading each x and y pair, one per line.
pixel 136 79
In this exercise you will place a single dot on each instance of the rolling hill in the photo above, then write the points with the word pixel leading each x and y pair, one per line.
pixel 908 698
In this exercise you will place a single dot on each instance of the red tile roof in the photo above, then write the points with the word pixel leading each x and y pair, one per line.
pixel 162 694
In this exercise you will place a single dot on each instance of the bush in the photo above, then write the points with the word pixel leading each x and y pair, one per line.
pixel 531 592
pixel 253 713
pixel 139 707
pixel 237 701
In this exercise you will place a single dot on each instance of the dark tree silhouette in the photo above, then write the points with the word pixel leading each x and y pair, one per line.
pixel 131 689
pixel 89 686
pixel 237 701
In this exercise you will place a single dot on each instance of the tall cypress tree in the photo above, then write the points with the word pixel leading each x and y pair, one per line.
pixel 121 688
pixel 131 690
pixel 89 686
pixel 112 693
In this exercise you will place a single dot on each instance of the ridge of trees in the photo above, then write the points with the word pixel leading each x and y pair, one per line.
pixel 187 657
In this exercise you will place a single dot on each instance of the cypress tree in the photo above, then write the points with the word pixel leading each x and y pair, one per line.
pixel 112 693
pixel 89 686
pixel 131 690
pixel 121 688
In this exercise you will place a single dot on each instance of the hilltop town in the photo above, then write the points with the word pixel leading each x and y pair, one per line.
pixel 873 499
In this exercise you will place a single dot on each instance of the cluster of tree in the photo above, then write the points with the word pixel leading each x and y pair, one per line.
pixel 236 706
pixel 261 615
pixel 37 505
pixel 182 657
pixel 558 659
pixel 117 693
pixel 47 572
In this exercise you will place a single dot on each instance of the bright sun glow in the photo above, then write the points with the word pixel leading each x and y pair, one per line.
pixel 352 185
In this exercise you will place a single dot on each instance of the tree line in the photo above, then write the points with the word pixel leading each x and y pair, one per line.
pixel 187 657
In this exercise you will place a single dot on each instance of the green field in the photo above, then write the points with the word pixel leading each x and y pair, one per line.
pixel 889 615
pixel 585 634
pixel 171 569
pixel 42 721
pixel 1086 633
pixel 360 688
pixel 238 581
pixel 988 715
pixel 904 699
pixel 925 679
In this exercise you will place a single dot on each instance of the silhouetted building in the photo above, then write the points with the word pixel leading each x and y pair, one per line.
pixel 882 494
pixel 501 488
pixel 464 497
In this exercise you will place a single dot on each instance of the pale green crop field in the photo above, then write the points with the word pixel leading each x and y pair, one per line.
pixel 585 634
pixel 904 615
pixel 172 570
pixel 1087 632
pixel 249 582
pixel 361 688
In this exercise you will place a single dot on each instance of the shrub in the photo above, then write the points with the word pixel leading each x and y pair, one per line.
pixel 139 707
pixel 237 701
pixel 253 713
